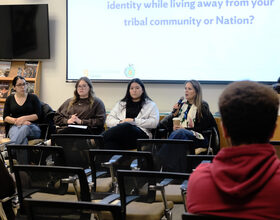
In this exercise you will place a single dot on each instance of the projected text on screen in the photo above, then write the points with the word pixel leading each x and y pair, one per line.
pixel 171 40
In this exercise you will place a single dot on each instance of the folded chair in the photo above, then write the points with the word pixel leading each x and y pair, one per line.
pixel 50 183
pixel 138 191
pixel 58 210
pixel 105 163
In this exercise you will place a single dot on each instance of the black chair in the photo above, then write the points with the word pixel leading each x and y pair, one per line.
pixel 52 210
pixel 35 155
pixel 50 183
pixel 76 147
pixel 154 146
pixel 190 216
pixel 214 140
pixel 138 192
pixel 194 160
pixel 162 132
pixel 105 163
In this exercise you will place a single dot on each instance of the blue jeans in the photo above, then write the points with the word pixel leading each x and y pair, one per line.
pixel 21 134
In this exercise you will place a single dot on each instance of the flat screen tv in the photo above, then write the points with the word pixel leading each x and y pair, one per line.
pixel 24 32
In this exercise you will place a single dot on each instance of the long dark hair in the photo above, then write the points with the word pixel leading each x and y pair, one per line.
pixel 76 97
pixel 127 98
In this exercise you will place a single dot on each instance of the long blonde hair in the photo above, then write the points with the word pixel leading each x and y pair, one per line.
pixel 76 97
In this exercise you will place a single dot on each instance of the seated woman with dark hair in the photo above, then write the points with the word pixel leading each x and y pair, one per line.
pixel 83 109
pixel 132 118
pixel 22 110
pixel 194 118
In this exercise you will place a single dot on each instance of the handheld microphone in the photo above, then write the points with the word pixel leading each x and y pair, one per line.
pixel 179 103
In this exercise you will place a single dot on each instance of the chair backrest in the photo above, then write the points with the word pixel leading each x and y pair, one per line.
pixel 194 160
pixel 107 162
pixel 76 147
pixel 141 186
pixel 190 216
pixel 47 114
pixel 49 182
pixel 214 140
pixel 155 145
pixel 35 155
pixel 52 210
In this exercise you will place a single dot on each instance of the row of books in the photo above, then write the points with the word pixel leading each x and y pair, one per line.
pixel 5 89
pixel 29 69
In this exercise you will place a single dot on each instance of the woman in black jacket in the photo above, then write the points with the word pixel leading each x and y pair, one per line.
pixel 194 117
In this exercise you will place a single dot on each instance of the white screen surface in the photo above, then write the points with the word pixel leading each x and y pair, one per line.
pixel 173 40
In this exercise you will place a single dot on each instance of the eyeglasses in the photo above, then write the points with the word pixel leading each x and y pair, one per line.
pixel 21 84
pixel 82 86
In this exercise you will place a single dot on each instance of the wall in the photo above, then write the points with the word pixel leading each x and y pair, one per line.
pixel 55 90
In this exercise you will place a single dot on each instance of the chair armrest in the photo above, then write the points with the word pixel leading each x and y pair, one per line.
pixel 8 198
pixel 110 164
pixel 110 198
pixel 184 185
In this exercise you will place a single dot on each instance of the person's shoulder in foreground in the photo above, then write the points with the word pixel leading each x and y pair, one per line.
pixel 243 179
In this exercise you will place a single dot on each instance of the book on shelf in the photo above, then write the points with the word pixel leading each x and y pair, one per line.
pixel 30 70
pixel 2 132
pixel 1 111
pixel 4 89
pixel 5 67
pixel 30 87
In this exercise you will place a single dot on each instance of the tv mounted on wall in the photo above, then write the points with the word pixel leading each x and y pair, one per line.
pixel 24 32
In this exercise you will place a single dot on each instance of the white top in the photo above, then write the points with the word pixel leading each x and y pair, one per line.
pixel 147 118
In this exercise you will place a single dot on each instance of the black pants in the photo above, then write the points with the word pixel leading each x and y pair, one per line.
pixel 123 136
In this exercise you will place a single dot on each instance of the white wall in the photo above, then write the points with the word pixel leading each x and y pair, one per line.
pixel 55 90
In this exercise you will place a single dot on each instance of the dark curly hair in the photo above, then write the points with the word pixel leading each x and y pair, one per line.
pixel 249 112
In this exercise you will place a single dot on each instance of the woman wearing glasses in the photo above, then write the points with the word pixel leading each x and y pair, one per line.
pixel 21 112
pixel 82 109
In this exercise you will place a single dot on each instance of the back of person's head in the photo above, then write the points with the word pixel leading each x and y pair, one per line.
pixel 249 112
